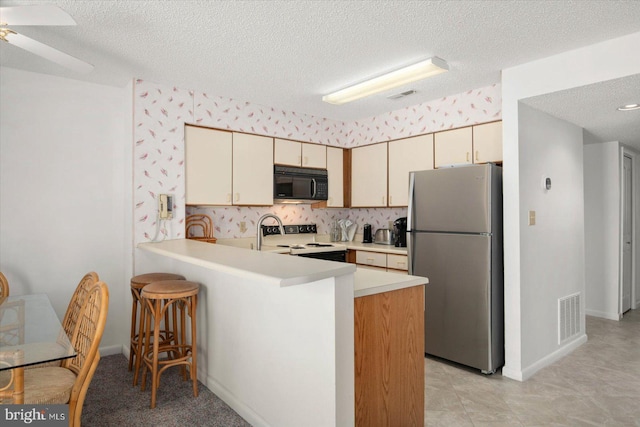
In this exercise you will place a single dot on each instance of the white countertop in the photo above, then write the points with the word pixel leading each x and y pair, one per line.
pixel 278 269
pixel 370 282
pixel 275 268
pixel 374 247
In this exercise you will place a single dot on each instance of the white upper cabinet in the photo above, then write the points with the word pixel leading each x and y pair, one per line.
pixel 294 153
pixel 453 147
pixel 487 143
pixel 287 152
pixel 335 172
pixel 369 176
pixel 207 166
pixel 406 155
pixel 314 156
pixel 252 169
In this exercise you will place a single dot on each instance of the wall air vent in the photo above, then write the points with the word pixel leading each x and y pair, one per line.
pixel 401 94
pixel 568 317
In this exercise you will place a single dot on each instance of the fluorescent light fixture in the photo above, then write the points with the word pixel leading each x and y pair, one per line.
pixel 412 73
pixel 629 107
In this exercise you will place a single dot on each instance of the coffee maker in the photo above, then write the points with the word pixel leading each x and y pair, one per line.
pixel 400 230
pixel 367 236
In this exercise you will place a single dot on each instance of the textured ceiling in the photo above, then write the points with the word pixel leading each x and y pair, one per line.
pixel 287 54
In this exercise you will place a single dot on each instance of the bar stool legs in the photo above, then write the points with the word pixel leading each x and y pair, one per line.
pixel 159 297
pixel 135 345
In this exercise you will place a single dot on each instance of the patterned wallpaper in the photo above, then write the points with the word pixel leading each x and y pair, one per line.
pixel 160 113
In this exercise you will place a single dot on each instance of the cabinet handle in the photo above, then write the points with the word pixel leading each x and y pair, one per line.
pixel 370 260
pixel 477 156
pixel 237 197
pixel 383 200
pixel 306 160
pixel 467 156
pixel 228 197
pixel 390 200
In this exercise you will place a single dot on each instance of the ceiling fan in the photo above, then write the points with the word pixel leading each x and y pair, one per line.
pixel 39 15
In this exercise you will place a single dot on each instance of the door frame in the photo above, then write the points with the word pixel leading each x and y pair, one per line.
pixel 626 152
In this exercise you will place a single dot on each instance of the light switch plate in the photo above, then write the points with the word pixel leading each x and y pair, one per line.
pixel 532 217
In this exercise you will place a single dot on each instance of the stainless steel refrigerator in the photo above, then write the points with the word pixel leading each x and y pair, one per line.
pixel 454 237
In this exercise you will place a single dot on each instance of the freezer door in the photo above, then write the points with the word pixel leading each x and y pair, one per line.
pixel 458 296
pixel 452 199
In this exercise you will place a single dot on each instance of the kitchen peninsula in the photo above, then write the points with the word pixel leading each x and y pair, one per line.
pixel 277 336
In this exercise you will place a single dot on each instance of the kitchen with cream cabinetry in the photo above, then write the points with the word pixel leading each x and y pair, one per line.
pixel 335 173
pixel 205 183
pixel 302 154
pixel 406 155
pixel 453 147
pixel 487 142
pixel 369 176
pixel 227 168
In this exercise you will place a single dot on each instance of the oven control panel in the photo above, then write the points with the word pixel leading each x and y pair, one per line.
pixel 268 230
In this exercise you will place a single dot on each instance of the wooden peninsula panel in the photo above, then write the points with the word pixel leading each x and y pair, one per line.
pixel 389 358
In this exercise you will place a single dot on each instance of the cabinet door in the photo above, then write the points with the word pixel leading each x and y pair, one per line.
pixel 335 172
pixel 252 169
pixel 406 155
pixel 207 166
pixel 287 152
pixel 369 176
pixel 397 262
pixel 453 147
pixel 487 143
pixel 314 156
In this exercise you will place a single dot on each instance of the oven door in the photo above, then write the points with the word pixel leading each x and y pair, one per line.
pixel 340 256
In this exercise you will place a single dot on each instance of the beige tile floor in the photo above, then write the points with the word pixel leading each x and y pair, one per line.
pixel 596 385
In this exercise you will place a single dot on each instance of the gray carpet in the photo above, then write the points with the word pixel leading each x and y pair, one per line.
pixel 113 401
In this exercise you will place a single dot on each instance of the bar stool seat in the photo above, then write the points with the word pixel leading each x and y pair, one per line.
pixel 159 298
pixel 135 346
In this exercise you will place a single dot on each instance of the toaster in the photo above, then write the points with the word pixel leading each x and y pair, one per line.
pixel 384 236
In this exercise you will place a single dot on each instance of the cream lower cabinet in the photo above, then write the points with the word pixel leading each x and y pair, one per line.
pixel 208 154
pixel 335 174
pixel 453 147
pixel 406 155
pixel 369 176
pixel 381 261
pixel 487 143
pixel 252 169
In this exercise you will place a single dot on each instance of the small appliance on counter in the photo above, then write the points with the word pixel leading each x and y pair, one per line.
pixel 367 235
pixel 384 236
pixel 400 229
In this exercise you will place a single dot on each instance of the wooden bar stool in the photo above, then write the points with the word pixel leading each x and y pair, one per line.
pixel 158 298
pixel 135 345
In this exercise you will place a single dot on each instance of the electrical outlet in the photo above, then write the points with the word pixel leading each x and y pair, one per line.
pixel 165 206
pixel 243 226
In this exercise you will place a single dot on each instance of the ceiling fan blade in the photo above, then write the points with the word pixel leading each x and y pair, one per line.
pixel 42 14
pixel 49 53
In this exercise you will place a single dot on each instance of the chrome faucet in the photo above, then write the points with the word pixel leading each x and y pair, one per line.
pixel 259 231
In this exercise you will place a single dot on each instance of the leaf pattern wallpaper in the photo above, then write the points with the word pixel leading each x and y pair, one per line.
pixel 160 113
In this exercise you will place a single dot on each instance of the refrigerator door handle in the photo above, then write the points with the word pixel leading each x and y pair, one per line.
pixel 410 253
pixel 412 180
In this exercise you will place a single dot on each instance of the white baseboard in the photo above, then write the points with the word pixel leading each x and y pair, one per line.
pixel 111 350
pixel 603 314
pixel 525 374
pixel 243 410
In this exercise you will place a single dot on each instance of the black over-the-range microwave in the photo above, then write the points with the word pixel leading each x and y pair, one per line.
pixel 294 184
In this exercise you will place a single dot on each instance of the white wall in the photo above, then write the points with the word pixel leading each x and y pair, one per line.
pixel 65 189
pixel 602 228
pixel 527 352
pixel 553 249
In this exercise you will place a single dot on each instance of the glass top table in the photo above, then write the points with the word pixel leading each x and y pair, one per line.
pixel 30 333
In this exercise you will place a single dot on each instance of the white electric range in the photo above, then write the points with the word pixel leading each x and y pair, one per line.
pixel 301 241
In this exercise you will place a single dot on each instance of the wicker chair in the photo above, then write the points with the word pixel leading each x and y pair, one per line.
pixel 69 382
pixel 73 311
pixel 4 287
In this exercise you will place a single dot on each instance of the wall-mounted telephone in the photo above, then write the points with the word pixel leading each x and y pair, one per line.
pixel 165 209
